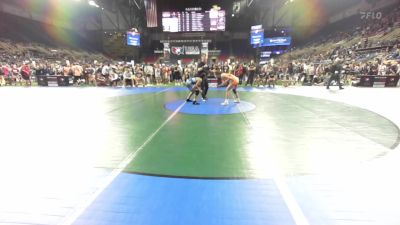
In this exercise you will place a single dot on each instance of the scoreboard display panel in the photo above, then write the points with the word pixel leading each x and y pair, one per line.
pixel 194 21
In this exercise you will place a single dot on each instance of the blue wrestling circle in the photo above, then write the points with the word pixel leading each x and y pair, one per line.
pixel 211 107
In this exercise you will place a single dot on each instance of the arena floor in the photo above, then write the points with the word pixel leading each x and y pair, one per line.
pixel 285 156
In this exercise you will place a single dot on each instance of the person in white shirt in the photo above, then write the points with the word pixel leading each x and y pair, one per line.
pixel 311 73
pixel 105 71
pixel 149 71
pixel 382 69
pixel 114 77
pixel 128 77
pixel 157 74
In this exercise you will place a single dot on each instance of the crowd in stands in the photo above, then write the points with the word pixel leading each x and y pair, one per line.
pixel 382 25
pixel 21 69
pixel 371 49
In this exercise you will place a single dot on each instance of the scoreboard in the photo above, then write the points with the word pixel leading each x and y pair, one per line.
pixel 193 21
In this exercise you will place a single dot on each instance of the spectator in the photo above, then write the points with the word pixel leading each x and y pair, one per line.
pixel 252 73
pixel 77 73
pixel 149 71
pixel 128 77
pixel 139 77
pixel 26 73
pixel 157 74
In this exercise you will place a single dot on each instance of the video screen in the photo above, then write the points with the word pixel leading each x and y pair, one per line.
pixel 257 37
pixel 133 38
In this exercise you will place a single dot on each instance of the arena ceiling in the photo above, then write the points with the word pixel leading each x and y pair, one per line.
pixel 251 11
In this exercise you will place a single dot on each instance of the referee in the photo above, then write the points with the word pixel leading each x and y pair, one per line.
pixel 336 71
pixel 202 71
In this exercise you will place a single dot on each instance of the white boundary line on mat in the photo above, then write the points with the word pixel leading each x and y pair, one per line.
pixel 121 166
pixel 293 206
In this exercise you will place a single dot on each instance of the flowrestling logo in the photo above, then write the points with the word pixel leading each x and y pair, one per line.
pixel 371 15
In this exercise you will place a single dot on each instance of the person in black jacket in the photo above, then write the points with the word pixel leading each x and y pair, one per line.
pixel 252 73
pixel 336 71
pixel 202 72
pixel 177 76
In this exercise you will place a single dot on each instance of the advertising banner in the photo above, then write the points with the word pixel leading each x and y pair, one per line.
pixel 378 81
pixel 187 50
pixel 277 41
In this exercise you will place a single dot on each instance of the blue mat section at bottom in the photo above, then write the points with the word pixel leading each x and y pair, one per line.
pixel 211 107
pixel 137 199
